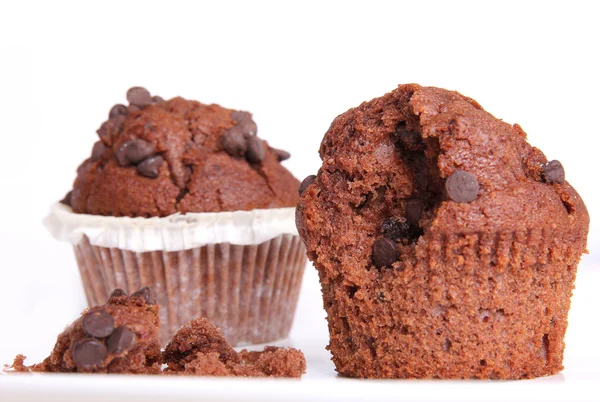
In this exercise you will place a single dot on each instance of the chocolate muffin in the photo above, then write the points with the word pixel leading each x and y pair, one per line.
pixel 446 245
pixel 120 336
pixel 199 349
pixel 185 198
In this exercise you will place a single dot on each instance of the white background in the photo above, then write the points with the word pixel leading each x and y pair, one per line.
pixel 295 65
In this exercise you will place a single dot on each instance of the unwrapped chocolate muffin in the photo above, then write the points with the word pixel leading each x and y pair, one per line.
pixel 446 245
pixel 185 198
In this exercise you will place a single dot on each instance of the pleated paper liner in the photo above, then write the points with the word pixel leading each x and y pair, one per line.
pixel 248 291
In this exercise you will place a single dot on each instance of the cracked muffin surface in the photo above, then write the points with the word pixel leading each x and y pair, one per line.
pixel 446 245
pixel 157 157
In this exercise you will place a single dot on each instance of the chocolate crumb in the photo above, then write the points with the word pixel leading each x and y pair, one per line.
pixel 395 228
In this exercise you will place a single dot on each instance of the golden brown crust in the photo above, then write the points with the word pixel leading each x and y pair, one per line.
pixel 483 289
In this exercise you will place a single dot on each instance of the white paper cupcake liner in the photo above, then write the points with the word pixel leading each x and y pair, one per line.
pixel 247 286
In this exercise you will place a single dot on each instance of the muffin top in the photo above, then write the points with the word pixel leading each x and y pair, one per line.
pixel 157 157
pixel 421 162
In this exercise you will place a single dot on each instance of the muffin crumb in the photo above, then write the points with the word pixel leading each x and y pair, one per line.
pixel 199 349
pixel 120 336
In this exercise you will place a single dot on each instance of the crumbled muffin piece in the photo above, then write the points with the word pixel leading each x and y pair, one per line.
pixel 120 336
pixel 200 349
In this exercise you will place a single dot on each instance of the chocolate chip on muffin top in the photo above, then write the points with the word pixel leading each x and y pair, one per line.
pixel 158 157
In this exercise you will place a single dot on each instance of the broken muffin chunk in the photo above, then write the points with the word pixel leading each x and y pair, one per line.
pixel 120 336
pixel 200 349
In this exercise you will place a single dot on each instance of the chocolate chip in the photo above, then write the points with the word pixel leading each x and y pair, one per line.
pixel 118 293
pixel 306 182
pixel 553 172
pixel 150 167
pixel 249 128
pixel 157 99
pixel 121 340
pixel 256 150
pixel 133 108
pixel 111 126
pixel 411 140
pixel 139 96
pixel 395 228
pixel 234 143
pixel 281 155
pixel 462 186
pixel 121 154
pixel 414 208
pixel 117 110
pixel 244 122
pixel 239 115
pixel 139 150
pixel 98 324
pixel 103 130
pixel 146 294
pixel 385 252
pixel 67 199
pixel 115 125
pixel 187 174
pixel 89 353
pixel 134 151
pixel 98 151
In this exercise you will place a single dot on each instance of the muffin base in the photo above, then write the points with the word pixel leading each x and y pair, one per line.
pixel 248 291
pixel 491 306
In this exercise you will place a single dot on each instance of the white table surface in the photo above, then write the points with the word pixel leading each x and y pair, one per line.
pixel 578 381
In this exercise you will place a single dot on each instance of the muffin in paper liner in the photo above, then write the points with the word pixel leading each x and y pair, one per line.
pixel 241 270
